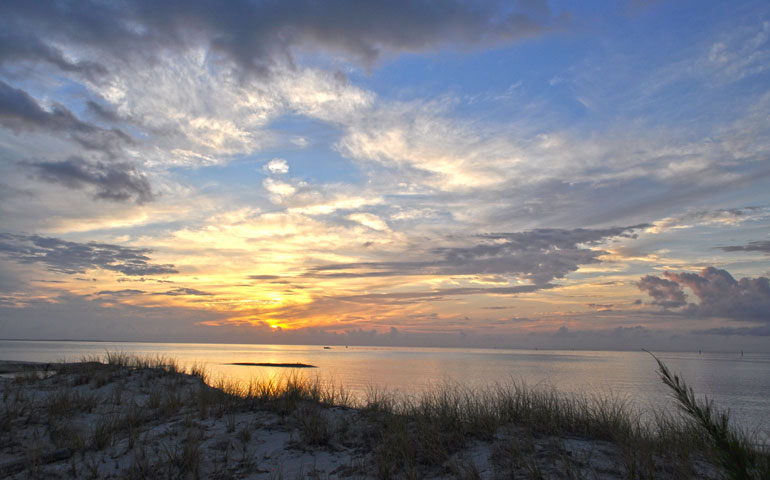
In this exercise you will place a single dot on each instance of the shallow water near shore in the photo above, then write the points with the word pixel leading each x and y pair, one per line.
pixel 738 382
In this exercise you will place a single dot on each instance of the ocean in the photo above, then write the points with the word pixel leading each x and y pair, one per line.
pixel 735 381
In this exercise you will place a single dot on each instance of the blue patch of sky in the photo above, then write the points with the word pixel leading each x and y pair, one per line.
pixel 501 77
pixel 665 56
pixel 48 87
pixel 605 53
pixel 315 162
pixel 611 62
pixel 240 178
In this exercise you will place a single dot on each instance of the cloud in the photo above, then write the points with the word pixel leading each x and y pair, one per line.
pixel 116 181
pixel 719 294
pixel 739 53
pixel 94 318
pixel 758 246
pixel 176 292
pixel 103 112
pixel 264 277
pixel 665 293
pixel 310 199
pixel 20 112
pixel 424 141
pixel 126 292
pixel 278 191
pixel 30 48
pixel 414 214
pixel 438 294
pixel 726 217
pixel 601 307
pixel 763 331
pixel 277 165
pixel 540 256
pixel 369 220
pixel 185 291
pixel 71 257
pixel 257 36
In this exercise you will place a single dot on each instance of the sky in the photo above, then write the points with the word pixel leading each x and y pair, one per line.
pixel 515 174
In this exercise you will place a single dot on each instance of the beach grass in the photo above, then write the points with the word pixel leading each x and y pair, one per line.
pixel 158 418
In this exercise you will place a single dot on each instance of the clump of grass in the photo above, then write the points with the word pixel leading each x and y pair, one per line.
pixel 199 371
pixel 67 401
pixel 735 452
pixel 184 460
pixel 102 433
pixel 284 394
pixel 315 426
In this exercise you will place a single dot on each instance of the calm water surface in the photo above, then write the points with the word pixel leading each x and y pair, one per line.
pixel 740 383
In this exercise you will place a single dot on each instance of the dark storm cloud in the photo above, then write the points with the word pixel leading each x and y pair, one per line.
pixel 259 34
pixel 20 112
pixel 719 294
pixel 540 255
pixel 665 293
pixel 116 181
pixel 751 247
pixel 71 257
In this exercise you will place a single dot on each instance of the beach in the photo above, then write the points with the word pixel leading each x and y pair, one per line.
pixel 124 417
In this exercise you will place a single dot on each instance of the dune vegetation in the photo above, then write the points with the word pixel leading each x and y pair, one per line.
pixel 121 416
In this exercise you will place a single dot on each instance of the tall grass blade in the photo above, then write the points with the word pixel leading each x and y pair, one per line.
pixel 739 460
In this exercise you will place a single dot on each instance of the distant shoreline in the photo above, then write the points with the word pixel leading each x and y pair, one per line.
pixel 533 349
